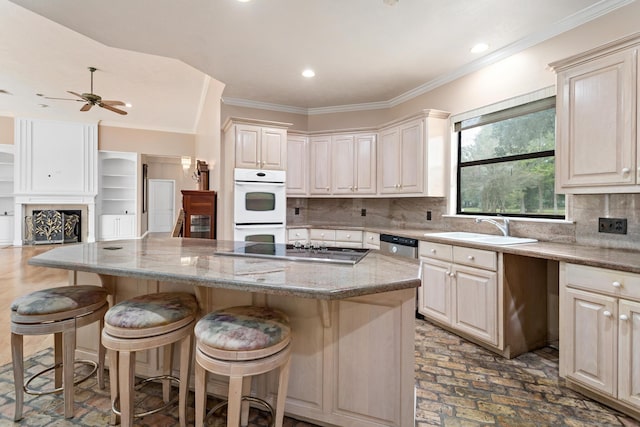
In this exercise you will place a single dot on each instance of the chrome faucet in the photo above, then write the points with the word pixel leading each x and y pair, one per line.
pixel 504 227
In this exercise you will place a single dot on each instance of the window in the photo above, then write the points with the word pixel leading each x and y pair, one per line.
pixel 506 163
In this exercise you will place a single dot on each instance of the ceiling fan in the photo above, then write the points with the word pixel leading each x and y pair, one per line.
pixel 92 99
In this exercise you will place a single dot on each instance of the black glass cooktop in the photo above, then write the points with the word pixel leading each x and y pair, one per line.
pixel 298 253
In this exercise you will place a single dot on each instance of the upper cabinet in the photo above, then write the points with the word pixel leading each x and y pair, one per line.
pixel 408 157
pixel 260 147
pixel 597 120
pixel 354 164
pixel 414 156
pixel 297 165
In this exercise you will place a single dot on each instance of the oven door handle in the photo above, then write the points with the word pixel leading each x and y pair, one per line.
pixel 257 226
pixel 262 184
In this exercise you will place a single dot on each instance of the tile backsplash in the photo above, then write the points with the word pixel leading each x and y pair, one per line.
pixel 411 213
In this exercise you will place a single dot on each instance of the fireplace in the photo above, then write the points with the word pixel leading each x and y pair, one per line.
pixel 53 226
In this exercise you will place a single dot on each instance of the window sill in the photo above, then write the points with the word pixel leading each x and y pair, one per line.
pixel 512 219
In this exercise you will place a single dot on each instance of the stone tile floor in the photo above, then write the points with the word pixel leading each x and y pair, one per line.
pixel 458 384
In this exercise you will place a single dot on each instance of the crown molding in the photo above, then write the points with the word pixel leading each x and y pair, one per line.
pixel 586 15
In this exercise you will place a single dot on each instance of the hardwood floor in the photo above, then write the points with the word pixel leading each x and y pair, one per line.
pixel 18 278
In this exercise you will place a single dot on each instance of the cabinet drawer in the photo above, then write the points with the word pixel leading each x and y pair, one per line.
pixel 349 236
pixel 436 250
pixel 475 257
pixel 613 282
pixel 323 235
pixel 371 239
pixel 298 235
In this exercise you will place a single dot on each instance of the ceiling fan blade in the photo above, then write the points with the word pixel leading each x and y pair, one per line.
pixel 76 94
pixel 64 99
pixel 109 107
pixel 86 107
pixel 112 103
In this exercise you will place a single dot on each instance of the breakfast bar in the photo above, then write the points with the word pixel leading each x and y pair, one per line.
pixel 352 323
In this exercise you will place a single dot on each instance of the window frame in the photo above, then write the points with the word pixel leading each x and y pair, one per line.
pixel 494 117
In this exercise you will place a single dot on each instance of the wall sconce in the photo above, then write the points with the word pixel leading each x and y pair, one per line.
pixel 186 164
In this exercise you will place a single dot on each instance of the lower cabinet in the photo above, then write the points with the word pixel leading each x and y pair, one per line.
pixel 460 296
pixel 7 225
pixel 117 227
pixel 600 333
pixel 371 240
pixel 496 300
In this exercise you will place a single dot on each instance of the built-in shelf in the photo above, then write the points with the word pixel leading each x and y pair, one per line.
pixel 7 200
pixel 117 196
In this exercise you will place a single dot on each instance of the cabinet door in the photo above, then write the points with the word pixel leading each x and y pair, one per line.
pixel 108 227
pixel 596 117
pixel 126 226
pixel 389 163
pixel 247 146
pixel 628 353
pixel 590 341
pixel 475 303
pixel 297 166
pixel 342 160
pixel 434 296
pixel 320 150
pixel 365 164
pixel 411 158
pixel 273 149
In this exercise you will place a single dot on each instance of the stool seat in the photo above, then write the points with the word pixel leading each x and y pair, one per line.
pixel 59 311
pixel 241 342
pixel 57 303
pixel 143 323
pixel 243 333
pixel 148 315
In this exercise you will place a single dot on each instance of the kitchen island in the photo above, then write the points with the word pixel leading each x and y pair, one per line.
pixel 353 325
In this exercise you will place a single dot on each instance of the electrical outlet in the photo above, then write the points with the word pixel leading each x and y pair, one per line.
pixel 428 215
pixel 612 225
pixel 296 211
pixel 363 212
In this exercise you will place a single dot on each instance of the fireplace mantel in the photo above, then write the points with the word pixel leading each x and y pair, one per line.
pixel 56 163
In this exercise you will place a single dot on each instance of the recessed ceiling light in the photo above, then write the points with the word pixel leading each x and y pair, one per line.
pixel 308 73
pixel 479 48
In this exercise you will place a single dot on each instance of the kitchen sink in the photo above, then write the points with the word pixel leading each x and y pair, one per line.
pixel 490 239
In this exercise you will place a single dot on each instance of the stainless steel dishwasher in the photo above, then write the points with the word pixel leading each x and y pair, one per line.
pixel 401 246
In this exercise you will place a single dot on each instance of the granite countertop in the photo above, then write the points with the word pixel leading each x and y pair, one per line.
pixel 616 259
pixel 194 261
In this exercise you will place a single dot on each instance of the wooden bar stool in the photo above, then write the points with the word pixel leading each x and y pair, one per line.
pixel 240 342
pixel 142 323
pixel 59 311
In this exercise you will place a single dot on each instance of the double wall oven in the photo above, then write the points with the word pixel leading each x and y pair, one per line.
pixel 260 206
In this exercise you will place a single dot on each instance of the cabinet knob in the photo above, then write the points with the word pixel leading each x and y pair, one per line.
pixel 327 188
pixel 355 188
pixel 471 257
pixel 348 236
pixel 370 237
pixel 616 284
pixel 625 171
pixel 433 251
pixel 452 274
pixel 351 188
pixel 624 317
pixel 606 313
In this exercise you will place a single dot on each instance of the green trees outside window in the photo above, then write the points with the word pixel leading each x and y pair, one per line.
pixel 506 163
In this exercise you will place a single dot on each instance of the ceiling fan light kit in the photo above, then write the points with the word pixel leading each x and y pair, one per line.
pixel 92 99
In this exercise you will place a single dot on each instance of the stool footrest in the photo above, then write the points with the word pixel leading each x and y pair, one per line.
pixel 85 377
pixel 115 407
pixel 252 399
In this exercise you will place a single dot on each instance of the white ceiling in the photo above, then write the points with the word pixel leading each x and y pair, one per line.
pixel 158 54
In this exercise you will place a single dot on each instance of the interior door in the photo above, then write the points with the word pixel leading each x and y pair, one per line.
pixel 161 205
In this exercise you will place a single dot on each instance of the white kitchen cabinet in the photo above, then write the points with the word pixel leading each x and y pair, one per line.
pixel 496 300
pixel 7 204
pixel 259 147
pixel 117 227
pixel 597 120
pixel 371 240
pixel 463 297
pixel 320 165
pixel 348 238
pixel 297 235
pixel 297 165
pixel 354 164
pixel 322 237
pixel 413 156
pixel 600 333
